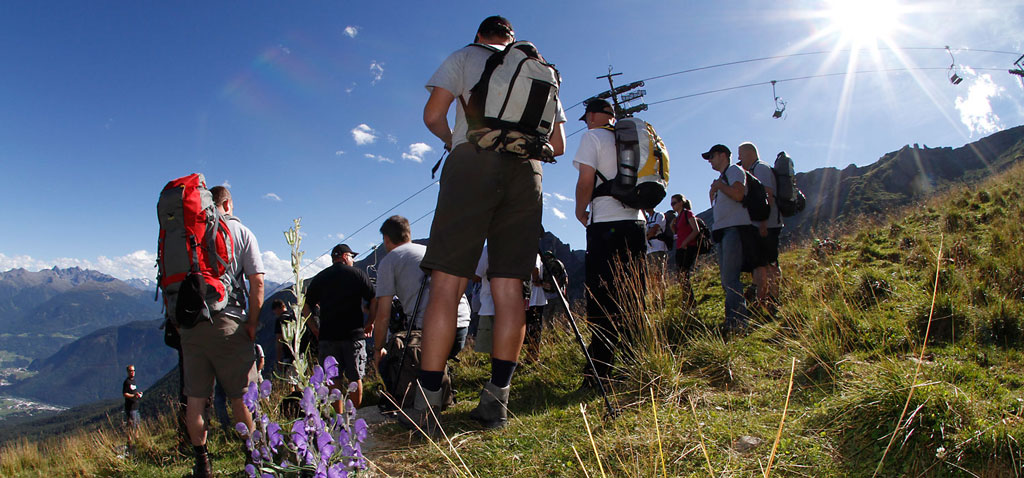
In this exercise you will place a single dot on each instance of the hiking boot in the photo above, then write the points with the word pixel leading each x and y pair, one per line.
pixel 492 411
pixel 202 468
pixel 425 412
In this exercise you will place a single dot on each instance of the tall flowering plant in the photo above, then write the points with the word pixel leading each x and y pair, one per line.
pixel 319 443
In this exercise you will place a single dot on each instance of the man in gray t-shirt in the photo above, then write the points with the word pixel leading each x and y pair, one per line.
pixel 399 274
pixel 223 348
pixel 731 230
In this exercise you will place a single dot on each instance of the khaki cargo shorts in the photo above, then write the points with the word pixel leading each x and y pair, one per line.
pixel 220 350
pixel 485 195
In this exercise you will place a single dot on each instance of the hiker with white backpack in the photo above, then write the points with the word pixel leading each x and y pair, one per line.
pixel 490 189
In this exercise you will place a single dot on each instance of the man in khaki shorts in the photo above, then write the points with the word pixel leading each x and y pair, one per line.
pixel 483 195
pixel 223 350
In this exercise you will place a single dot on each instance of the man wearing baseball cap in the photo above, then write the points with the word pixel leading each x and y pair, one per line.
pixel 343 294
pixel 616 243
pixel 730 230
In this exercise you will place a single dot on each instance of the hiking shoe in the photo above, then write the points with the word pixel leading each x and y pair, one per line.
pixel 202 468
pixel 426 411
pixel 492 411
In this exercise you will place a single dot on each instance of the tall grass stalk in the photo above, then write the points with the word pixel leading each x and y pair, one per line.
pixel 920 360
pixel 661 453
pixel 580 459
pixel 782 422
pixel 583 410
pixel 700 432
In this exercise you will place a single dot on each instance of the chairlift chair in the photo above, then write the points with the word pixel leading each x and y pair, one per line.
pixel 953 77
pixel 780 106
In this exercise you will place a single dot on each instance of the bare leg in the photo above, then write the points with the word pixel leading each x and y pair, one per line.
pixel 440 319
pixel 194 420
pixel 509 318
pixel 240 413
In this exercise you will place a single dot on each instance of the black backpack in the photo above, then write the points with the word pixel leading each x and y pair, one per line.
pixel 705 243
pixel 666 235
pixel 788 197
pixel 756 199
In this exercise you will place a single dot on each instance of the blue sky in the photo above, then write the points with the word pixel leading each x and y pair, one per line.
pixel 313 109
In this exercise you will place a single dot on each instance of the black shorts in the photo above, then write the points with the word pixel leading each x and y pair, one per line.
pixel 685 257
pixel 751 248
pixel 764 249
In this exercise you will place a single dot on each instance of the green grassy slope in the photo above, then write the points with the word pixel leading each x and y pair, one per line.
pixel 849 334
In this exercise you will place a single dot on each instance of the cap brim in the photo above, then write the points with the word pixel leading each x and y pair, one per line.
pixel 706 155
pixel 584 117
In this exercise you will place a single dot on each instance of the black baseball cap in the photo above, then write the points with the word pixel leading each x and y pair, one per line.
pixel 718 148
pixel 598 106
pixel 342 249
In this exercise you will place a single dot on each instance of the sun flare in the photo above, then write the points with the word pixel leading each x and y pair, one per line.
pixel 864 22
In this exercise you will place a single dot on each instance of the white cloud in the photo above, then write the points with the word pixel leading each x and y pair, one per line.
pixel 379 158
pixel 561 197
pixel 339 152
pixel 363 134
pixel 558 214
pixel 416 152
pixel 351 87
pixel 138 264
pixel 351 31
pixel 976 110
pixel 226 184
pixel 336 237
pixel 272 197
pixel 280 270
pixel 392 139
pixel 376 71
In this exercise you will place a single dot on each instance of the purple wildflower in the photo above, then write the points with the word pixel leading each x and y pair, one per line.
pixel 250 397
pixel 352 387
pixel 317 378
pixel 334 396
pixel 265 388
pixel 242 428
pixel 337 471
pixel 274 436
pixel 360 429
pixel 331 367
pixel 250 470
pixel 308 402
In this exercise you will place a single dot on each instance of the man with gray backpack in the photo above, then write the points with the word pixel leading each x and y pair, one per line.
pixel 765 255
pixel 508 120
pixel 205 256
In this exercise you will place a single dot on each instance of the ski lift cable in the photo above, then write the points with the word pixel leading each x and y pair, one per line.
pixel 810 53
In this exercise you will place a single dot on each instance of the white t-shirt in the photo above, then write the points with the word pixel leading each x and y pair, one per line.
pixel 597 150
pixel 486 301
pixel 248 261
pixel 458 74
pixel 537 296
pixel 726 212
pixel 655 244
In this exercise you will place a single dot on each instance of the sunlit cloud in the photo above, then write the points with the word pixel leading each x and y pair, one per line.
pixel 280 270
pixel 416 152
pixel 376 71
pixel 379 158
pixel 976 109
pixel 339 152
pixel 363 135
pixel 272 197
pixel 351 31
pixel 557 213
pixel 226 184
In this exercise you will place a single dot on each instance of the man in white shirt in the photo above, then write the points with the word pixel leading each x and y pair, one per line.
pixel 615 241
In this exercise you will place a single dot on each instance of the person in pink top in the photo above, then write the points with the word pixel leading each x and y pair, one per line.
pixel 686 231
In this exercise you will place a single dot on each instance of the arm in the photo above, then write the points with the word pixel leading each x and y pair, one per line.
pixel 255 304
pixel 310 322
pixel 653 231
pixel 380 327
pixel 735 191
pixel 694 230
pixel 435 114
pixel 558 139
pixel 371 314
pixel 584 192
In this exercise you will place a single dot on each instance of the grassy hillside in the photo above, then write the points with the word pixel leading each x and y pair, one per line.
pixel 857 372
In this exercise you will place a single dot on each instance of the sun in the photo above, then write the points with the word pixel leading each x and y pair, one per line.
pixel 863 22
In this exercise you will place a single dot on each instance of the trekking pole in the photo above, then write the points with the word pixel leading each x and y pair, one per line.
pixel 408 334
pixel 610 412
